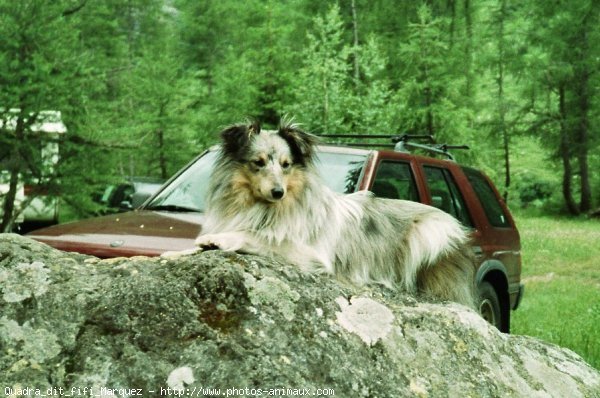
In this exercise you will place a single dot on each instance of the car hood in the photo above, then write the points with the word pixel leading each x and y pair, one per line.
pixel 142 232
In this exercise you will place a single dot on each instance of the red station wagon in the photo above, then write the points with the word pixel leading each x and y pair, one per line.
pixel 172 218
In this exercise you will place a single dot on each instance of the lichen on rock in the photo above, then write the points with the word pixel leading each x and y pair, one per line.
pixel 36 345
pixel 274 292
pixel 367 318
pixel 23 281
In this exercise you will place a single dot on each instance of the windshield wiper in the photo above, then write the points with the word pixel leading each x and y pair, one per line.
pixel 181 209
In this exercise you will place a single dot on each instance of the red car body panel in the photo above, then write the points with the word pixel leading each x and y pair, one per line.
pixel 136 233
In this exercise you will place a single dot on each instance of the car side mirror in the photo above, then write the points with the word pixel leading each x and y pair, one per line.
pixel 125 205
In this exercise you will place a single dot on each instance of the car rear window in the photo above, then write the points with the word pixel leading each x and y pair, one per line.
pixel 445 194
pixel 394 180
pixel 488 198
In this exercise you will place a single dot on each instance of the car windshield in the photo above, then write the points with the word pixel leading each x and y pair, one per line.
pixel 339 171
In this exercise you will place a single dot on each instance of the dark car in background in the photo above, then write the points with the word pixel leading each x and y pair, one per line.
pixel 173 217
pixel 128 195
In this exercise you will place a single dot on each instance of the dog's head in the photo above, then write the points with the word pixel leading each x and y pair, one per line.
pixel 270 164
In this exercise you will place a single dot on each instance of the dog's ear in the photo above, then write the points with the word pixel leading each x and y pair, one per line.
pixel 300 142
pixel 237 137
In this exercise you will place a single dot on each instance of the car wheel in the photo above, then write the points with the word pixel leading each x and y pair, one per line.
pixel 489 304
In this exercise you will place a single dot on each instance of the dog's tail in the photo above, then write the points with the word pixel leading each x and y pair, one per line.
pixel 451 278
pixel 442 260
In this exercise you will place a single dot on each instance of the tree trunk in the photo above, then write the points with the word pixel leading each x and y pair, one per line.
pixel 162 160
pixel 269 112
pixel 567 174
pixel 585 202
pixel 160 135
pixel 14 167
pixel 468 50
pixel 355 51
pixel 582 77
pixel 429 104
pixel 501 101
pixel 451 5
pixel 325 105
pixel 9 201
pixel 565 155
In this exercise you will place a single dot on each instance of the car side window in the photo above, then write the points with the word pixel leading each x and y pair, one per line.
pixel 394 180
pixel 445 194
pixel 487 197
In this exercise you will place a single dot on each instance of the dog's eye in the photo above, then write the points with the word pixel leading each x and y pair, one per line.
pixel 258 163
pixel 285 164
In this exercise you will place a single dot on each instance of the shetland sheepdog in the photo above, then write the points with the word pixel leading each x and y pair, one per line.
pixel 266 197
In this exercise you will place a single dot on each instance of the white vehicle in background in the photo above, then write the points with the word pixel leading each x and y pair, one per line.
pixel 35 206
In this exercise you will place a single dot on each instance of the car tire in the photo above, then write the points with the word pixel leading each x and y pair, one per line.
pixel 489 304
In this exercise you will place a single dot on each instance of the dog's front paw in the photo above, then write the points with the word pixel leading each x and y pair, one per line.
pixel 177 254
pixel 225 241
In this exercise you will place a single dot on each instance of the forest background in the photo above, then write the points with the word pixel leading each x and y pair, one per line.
pixel 144 85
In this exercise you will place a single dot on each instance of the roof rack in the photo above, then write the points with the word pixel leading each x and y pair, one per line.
pixel 400 143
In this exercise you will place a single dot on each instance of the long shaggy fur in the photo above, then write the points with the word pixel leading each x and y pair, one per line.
pixel 266 198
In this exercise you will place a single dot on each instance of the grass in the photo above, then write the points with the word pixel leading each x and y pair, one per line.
pixel 561 273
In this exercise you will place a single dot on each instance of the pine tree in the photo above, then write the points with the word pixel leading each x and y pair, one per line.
pixel 426 101
pixel 562 102
pixel 321 87
pixel 38 62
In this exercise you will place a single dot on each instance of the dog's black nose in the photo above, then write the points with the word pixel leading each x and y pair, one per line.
pixel 277 193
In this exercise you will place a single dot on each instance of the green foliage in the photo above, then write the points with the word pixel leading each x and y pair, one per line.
pixel 35 52
pixel 143 85
pixel 425 78
pixel 321 90
pixel 532 191
pixel 562 84
pixel 326 93
pixel 430 94
pixel 535 177
pixel 371 110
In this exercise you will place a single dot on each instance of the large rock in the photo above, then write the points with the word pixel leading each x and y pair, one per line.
pixel 227 321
